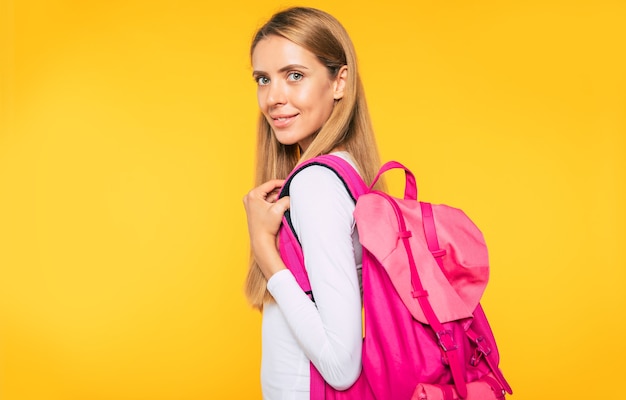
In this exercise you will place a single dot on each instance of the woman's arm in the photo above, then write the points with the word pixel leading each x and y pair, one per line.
pixel 328 331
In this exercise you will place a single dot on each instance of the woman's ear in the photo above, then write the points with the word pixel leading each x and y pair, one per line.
pixel 339 84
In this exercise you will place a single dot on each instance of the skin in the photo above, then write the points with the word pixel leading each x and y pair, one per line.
pixel 296 94
pixel 265 214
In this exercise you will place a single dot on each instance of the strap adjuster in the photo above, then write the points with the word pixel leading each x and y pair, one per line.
pixel 404 234
pixel 438 253
pixel 446 341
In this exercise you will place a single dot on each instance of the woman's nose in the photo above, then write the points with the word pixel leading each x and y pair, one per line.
pixel 276 94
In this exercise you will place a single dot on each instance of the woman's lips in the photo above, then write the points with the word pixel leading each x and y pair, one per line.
pixel 282 121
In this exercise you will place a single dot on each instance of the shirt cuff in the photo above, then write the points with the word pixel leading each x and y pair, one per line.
pixel 278 279
pixel 284 287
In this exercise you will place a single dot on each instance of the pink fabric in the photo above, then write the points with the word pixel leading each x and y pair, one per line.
pixel 291 253
pixel 479 390
pixel 403 355
pixel 466 268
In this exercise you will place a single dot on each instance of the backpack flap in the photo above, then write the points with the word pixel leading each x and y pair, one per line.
pixel 455 291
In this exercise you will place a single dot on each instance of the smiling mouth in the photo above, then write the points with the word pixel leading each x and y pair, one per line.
pixel 282 121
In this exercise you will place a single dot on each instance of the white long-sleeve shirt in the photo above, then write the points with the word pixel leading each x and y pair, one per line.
pixel 327 332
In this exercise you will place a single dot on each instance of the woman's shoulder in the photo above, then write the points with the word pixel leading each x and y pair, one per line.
pixel 314 180
pixel 316 190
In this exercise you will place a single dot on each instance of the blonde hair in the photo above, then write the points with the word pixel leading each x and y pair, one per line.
pixel 349 125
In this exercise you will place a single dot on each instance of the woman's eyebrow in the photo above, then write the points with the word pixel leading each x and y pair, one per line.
pixel 283 69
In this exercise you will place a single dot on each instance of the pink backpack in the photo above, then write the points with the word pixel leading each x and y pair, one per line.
pixel 425 268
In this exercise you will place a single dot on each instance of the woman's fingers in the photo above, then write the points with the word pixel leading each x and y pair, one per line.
pixel 263 210
pixel 281 205
pixel 270 188
pixel 273 195
pixel 267 191
pixel 265 213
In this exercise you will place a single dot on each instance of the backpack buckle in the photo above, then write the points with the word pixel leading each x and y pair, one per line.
pixel 446 341
pixel 482 349
pixel 482 345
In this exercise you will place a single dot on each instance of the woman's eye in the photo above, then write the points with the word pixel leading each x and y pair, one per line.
pixel 295 76
pixel 262 80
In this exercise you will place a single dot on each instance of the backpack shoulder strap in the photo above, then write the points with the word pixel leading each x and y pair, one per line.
pixel 289 245
pixel 344 170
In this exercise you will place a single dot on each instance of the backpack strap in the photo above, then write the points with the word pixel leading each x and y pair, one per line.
pixel 428 222
pixel 288 239
pixel 483 349
pixel 430 231
pixel 410 188
pixel 289 245
pixel 444 336
pixel 343 169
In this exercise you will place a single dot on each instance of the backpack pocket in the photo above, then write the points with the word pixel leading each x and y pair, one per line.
pixel 486 388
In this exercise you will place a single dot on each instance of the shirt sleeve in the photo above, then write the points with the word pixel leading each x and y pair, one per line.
pixel 329 331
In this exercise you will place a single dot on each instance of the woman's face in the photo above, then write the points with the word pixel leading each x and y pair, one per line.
pixel 296 93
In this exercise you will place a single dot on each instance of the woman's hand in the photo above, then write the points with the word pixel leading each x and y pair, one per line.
pixel 265 213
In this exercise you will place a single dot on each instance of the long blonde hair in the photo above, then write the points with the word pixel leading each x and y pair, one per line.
pixel 349 125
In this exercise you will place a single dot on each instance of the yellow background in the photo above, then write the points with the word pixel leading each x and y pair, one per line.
pixel 126 145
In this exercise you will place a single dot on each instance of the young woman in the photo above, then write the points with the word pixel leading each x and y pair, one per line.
pixel 312 103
